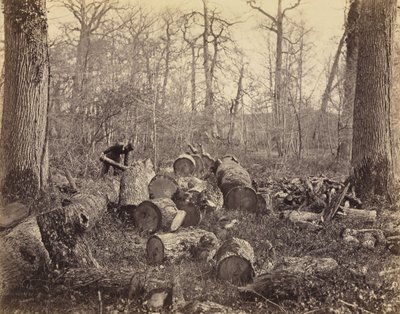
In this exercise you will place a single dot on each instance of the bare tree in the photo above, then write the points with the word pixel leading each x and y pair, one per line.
pixel 276 25
pixel 90 16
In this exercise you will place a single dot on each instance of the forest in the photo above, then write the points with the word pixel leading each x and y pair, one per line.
pixel 199 156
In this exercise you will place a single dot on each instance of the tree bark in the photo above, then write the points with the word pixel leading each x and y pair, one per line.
pixel 184 244
pixel 352 42
pixel 135 183
pixel 372 152
pixel 23 146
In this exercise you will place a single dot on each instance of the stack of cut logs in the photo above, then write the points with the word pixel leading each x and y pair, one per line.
pixel 168 208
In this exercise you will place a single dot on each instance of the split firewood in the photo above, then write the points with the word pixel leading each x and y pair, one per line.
pixel 162 186
pixel 234 261
pixel 135 181
pixel 185 244
pixel 293 278
pixel 330 211
pixel 157 214
pixel 184 165
pixel 12 214
pixel 236 186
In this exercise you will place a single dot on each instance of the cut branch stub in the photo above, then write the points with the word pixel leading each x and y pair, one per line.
pixel 162 186
pixel 186 243
pixel 235 259
pixel 184 165
pixel 208 161
pixel 235 184
pixel 153 215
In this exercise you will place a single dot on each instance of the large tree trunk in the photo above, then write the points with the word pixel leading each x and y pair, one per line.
pixel 372 155
pixel 23 146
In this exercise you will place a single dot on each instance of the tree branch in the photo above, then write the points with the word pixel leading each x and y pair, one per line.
pixel 253 6
pixel 291 8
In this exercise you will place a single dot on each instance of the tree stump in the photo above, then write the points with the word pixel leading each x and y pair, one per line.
pixel 135 183
pixel 184 165
pixel 234 260
pixel 235 184
pixel 184 244
pixel 157 214
pixel 162 186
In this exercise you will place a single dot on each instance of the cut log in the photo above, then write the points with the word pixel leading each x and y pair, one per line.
pixel 360 215
pixel 308 265
pixel 135 183
pixel 54 239
pixel 162 186
pixel 12 214
pixel 189 202
pixel 305 220
pixel 235 260
pixel 63 229
pixel 294 278
pixel 184 244
pixel 208 307
pixel 184 165
pixel 23 256
pixel 235 184
pixel 196 197
pixel 153 215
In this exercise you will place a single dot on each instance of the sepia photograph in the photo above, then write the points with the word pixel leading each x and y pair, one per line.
pixel 200 156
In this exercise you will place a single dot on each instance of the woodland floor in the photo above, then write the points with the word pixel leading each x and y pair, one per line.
pixel 356 286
